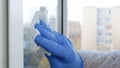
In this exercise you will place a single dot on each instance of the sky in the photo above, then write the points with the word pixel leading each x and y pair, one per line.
pixel 75 7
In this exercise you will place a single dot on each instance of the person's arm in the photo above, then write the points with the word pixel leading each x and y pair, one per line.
pixel 104 59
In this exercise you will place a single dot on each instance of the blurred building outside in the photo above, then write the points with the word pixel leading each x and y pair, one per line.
pixel 75 33
pixel 100 29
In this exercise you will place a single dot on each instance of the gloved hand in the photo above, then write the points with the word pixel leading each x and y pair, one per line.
pixel 63 53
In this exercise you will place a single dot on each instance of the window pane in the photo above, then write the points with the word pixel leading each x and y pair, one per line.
pixel 48 11
pixel 93 24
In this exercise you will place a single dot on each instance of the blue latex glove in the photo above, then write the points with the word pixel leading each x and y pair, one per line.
pixel 63 53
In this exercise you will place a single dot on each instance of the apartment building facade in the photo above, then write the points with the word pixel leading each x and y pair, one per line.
pixel 100 28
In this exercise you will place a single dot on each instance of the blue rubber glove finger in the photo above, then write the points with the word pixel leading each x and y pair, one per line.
pixel 65 41
pixel 44 32
pixel 68 42
pixel 47 27
pixel 43 24
pixel 59 38
pixel 51 46
pixel 47 34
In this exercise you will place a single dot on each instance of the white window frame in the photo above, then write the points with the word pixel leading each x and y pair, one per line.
pixel 15 34
pixel 16 49
pixel 3 34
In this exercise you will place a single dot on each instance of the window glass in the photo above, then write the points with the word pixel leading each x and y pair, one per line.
pixel 92 24
pixel 48 10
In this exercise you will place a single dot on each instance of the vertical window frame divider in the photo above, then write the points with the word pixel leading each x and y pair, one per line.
pixel 62 17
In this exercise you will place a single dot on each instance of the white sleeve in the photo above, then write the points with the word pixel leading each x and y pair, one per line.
pixel 106 59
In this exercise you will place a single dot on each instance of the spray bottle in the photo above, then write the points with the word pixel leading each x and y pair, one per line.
pixel 39 15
